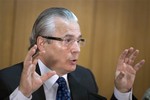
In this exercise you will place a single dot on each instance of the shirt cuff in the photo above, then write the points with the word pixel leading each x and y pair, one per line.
pixel 122 96
pixel 18 95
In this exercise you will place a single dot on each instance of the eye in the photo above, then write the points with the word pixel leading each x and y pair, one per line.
pixel 68 40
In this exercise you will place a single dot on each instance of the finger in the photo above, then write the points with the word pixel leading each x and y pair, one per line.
pixel 122 56
pixel 36 56
pixel 34 65
pixel 28 60
pixel 139 65
pixel 126 60
pixel 30 70
pixel 134 54
pixel 31 52
pixel 130 51
pixel 47 75
pixel 133 57
pixel 35 60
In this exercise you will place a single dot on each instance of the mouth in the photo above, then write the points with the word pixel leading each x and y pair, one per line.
pixel 73 62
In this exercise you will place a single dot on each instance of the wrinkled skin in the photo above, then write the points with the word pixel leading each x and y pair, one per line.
pixel 126 70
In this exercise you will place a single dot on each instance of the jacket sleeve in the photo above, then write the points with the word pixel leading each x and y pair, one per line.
pixel 4 91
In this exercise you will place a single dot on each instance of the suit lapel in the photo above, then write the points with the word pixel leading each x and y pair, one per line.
pixel 39 94
pixel 77 91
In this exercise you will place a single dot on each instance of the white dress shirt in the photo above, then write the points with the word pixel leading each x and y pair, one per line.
pixel 50 88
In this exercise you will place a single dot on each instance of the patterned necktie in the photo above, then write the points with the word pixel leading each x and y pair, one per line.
pixel 62 91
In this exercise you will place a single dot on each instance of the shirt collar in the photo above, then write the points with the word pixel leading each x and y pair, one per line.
pixel 51 81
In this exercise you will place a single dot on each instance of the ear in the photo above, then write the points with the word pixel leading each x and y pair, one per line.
pixel 40 43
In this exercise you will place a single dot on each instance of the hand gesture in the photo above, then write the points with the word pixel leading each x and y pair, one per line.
pixel 30 79
pixel 126 70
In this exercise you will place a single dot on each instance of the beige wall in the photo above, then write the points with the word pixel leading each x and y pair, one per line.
pixel 109 27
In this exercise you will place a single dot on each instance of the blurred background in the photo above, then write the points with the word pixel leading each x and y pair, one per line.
pixel 109 26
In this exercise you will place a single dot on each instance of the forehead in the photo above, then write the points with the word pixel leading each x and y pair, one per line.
pixel 67 28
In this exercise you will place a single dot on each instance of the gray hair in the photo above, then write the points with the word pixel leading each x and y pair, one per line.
pixel 45 23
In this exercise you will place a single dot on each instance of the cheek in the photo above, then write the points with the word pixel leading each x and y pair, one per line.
pixel 57 54
pixel 62 54
pixel 61 51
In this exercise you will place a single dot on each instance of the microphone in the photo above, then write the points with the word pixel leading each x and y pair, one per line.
pixel 146 95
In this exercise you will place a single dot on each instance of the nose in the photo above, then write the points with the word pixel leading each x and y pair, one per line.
pixel 75 48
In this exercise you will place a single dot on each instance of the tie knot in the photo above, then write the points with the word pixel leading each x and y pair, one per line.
pixel 61 81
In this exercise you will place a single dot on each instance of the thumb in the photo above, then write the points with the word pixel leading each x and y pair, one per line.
pixel 47 75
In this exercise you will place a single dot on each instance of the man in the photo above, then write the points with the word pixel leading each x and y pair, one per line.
pixel 146 95
pixel 54 50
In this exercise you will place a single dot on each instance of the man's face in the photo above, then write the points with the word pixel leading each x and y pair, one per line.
pixel 60 56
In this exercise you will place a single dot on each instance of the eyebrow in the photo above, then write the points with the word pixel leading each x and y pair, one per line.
pixel 69 35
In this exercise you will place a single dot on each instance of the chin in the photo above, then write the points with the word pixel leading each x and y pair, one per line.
pixel 72 68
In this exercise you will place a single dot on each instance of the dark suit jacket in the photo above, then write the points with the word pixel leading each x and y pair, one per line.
pixel 81 82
